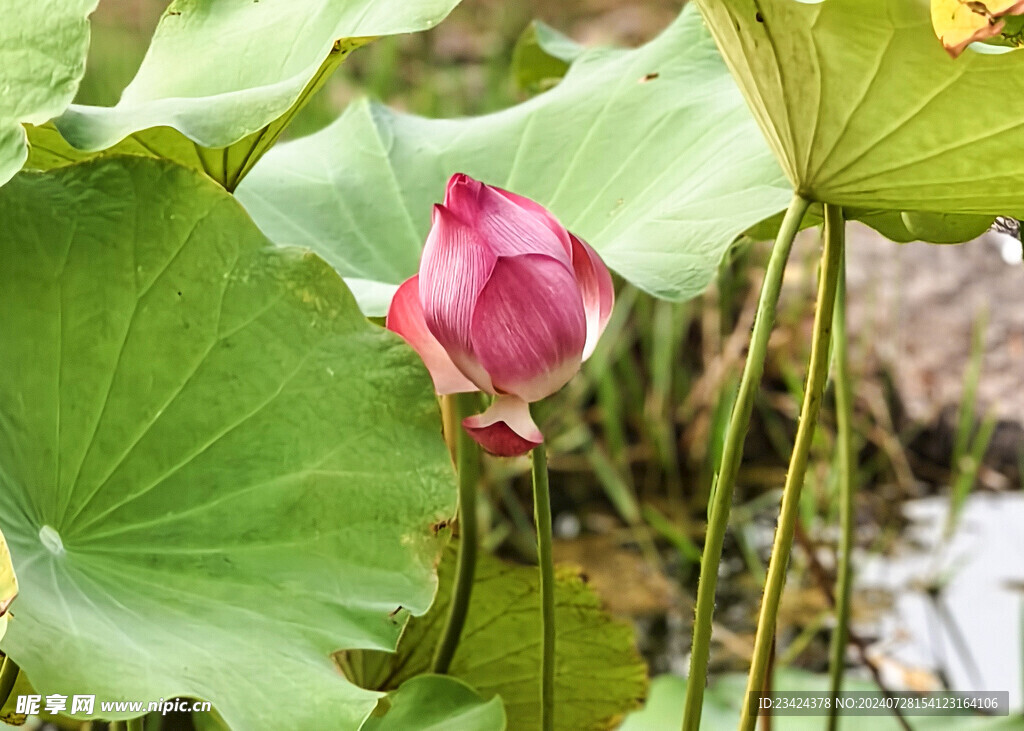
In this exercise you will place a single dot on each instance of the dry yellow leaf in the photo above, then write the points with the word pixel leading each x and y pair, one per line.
pixel 958 23
pixel 8 583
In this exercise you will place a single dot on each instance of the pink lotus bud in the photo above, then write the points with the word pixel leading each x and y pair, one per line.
pixel 507 301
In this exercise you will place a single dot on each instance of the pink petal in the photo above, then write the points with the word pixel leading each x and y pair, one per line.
pixel 456 265
pixel 506 429
pixel 542 213
pixel 529 326
pixel 509 227
pixel 595 284
pixel 405 317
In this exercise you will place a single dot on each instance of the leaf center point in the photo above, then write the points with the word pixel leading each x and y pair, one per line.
pixel 51 539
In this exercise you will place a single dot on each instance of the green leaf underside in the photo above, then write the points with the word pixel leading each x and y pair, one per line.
pixel 436 703
pixel 649 154
pixel 43 45
pixel 214 473
pixel 541 56
pixel 723 699
pixel 863 108
pixel 250 66
pixel 900 227
pixel 599 675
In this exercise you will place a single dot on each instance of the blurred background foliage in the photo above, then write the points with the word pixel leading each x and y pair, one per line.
pixel 635 438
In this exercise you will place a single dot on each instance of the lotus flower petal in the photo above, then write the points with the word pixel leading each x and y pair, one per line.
pixel 529 326
pixel 595 282
pixel 405 317
pixel 542 213
pixel 498 218
pixel 456 265
pixel 506 429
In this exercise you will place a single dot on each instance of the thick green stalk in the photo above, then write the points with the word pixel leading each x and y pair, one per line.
pixel 137 724
pixel 467 460
pixel 542 516
pixel 846 467
pixel 8 676
pixel 817 375
pixel 732 454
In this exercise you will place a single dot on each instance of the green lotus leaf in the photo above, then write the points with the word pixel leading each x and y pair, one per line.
pixel 43 45
pixel 599 674
pixel 230 74
pixel 649 154
pixel 49 150
pixel 944 228
pixel 436 703
pixel 864 108
pixel 215 472
pixel 542 56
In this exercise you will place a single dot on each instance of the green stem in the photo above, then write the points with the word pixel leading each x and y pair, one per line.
pixel 732 454
pixel 844 445
pixel 817 375
pixel 8 676
pixel 137 724
pixel 542 516
pixel 467 458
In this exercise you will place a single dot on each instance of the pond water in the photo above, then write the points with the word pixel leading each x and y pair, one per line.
pixel 970 630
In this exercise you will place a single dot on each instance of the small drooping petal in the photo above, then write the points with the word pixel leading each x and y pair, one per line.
pixel 506 429
pixel 456 265
pixel 529 326
pixel 405 317
pixel 595 282
pixel 509 227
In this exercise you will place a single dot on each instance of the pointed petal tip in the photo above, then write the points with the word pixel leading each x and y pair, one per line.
pixel 461 191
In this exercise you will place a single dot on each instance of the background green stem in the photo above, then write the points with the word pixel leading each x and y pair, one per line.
pixel 732 454
pixel 467 461
pixel 137 724
pixel 542 515
pixel 817 375
pixel 845 465
pixel 8 676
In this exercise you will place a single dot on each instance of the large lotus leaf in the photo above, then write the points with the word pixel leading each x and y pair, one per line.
pixel 864 108
pixel 436 703
pixel 215 472
pixel 650 154
pixel 8 584
pixel 599 675
pixel 43 45
pixel 232 72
